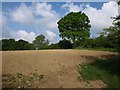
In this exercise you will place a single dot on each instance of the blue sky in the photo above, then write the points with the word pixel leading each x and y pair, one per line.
pixel 26 20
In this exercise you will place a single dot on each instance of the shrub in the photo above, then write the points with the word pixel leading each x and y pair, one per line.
pixel 65 44
pixel 54 46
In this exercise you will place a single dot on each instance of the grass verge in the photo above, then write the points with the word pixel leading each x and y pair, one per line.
pixel 105 70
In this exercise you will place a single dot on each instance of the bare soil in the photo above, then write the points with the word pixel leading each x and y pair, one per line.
pixel 59 67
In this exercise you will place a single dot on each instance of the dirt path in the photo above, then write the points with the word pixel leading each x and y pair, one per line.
pixel 59 67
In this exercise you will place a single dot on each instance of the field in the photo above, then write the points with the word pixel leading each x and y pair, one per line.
pixel 52 68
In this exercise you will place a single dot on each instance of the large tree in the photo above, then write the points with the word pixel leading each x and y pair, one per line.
pixel 74 26
pixel 113 33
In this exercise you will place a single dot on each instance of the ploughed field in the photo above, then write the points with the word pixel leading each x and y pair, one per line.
pixel 48 68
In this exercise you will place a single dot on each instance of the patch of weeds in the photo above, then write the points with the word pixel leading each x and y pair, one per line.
pixel 19 80
pixel 38 76
pixel 11 78
pixel 29 78
pixel 105 70
pixel 19 75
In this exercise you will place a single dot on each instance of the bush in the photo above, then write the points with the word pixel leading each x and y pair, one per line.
pixel 54 46
pixel 8 44
pixel 64 44
pixel 43 46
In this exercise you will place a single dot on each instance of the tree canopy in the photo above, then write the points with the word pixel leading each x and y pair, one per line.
pixel 11 44
pixel 74 26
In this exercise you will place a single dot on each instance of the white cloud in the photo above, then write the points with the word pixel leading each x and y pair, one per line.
pixel 41 15
pixel 99 18
pixel 22 14
pixel 71 7
pixel 48 16
pixel 4 30
pixel 44 10
pixel 21 34
pixel 50 35
pixel 18 34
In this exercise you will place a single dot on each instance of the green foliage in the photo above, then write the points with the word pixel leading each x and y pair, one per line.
pixel 11 44
pixel 74 26
pixel 31 46
pixel 77 44
pixel 54 46
pixel 64 44
pixel 113 34
pixel 40 42
pixel 8 44
pixel 0 45
pixel 105 70
pixel 43 46
pixel 22 45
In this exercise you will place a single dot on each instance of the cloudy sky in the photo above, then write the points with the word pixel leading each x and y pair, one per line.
pixel 29 19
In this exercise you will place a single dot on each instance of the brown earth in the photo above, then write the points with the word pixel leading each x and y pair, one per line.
pixel 59 67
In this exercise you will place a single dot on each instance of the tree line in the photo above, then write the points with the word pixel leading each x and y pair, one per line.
pixel 38 44
pixel 74 29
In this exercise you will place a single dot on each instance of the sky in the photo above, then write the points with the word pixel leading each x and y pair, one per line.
pixel 26 20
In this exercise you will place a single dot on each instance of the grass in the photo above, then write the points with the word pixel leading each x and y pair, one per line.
pixel 98 49
pixel 105 70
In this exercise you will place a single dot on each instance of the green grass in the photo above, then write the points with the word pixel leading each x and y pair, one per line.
pixel 105 70
pixel 98 49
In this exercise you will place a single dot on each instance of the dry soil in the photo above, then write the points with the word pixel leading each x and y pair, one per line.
pixel 59 67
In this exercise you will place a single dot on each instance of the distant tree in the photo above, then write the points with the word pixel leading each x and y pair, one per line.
pixel 53 46
pixel 8 44
pixel 5 45
pixel 47 41
pixel 118 2
pixel 12 44
pixel 31 46
pixel 113 33
pixel 0 45
pixel 74 26
pixel 40 42
pixel 22 45
pixel 65 44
